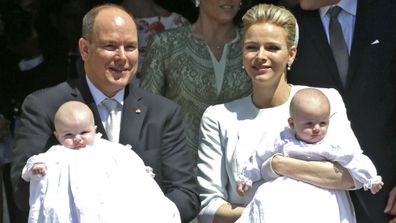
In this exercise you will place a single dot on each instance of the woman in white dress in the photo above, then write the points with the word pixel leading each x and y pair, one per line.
pixel 231 132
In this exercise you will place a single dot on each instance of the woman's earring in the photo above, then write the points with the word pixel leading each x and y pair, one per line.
pixel 243 67
pixel 288 66
pixel 196 3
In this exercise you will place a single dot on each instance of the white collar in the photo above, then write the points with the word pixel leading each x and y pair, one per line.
pixel 349 6
pixel 25 65
pixel 98 96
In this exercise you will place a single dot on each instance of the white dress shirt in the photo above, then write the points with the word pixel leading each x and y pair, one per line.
pixel 346 17
pixel 98 97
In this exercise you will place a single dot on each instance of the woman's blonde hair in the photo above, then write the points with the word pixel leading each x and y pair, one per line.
pixel 277 15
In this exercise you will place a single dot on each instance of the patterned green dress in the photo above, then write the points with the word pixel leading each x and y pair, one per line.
pixel 182 68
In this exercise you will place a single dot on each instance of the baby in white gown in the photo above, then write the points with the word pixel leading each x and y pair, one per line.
pixel 89 179
pixel 288 200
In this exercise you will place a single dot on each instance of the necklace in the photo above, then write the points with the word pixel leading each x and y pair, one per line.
pixel 198 32
pixel 215 46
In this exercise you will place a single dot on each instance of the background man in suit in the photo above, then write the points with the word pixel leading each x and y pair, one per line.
pixel 369 87
pixel 151 124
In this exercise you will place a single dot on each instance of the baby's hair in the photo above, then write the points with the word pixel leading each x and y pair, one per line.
pixel 311 96
pixel 71 110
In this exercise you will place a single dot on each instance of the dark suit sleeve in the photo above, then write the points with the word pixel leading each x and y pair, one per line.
pixel 178 177
pixel 33 136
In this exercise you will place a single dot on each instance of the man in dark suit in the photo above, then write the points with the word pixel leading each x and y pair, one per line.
pixel 369 89
pixel 151 124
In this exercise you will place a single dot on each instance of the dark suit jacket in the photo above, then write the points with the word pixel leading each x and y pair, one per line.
pixel 370 91
pixel 151 124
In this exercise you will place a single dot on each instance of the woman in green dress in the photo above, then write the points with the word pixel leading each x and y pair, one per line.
pixel 198 65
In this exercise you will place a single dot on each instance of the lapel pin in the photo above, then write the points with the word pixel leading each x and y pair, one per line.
pixel 138 111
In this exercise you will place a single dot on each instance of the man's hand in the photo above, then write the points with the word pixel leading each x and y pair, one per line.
pixel 391 205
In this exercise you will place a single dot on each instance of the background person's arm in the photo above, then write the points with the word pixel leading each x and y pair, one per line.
pixel 153 71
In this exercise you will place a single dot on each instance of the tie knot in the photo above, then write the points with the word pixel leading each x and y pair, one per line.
pixel 333 12
pixel 110 104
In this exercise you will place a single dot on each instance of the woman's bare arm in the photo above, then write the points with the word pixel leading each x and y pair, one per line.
pixel 227 213
pixel 323 174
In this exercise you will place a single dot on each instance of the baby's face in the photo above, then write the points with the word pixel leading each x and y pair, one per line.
pixel 310 127
pixel 76 134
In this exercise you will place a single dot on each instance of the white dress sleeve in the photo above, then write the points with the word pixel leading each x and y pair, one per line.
pixel 255 168
pixel 359 165
pixel 212 174
pixel 41 159
pixel 47 192
pixel 27 173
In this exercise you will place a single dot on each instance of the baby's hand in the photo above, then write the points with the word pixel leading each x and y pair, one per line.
pixel 39 169
pixel 376 187
pixel 242 188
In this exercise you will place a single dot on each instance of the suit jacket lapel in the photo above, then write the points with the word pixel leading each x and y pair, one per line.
pixel 364 27
pixel 133 112
pixel 81 90
pixel 318 38
pixel 133 115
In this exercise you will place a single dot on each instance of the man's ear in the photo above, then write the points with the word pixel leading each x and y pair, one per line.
pixel 291 122
pixel 83 44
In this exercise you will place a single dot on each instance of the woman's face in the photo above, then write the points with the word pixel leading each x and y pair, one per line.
pixel 222 11
pixel 265 53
